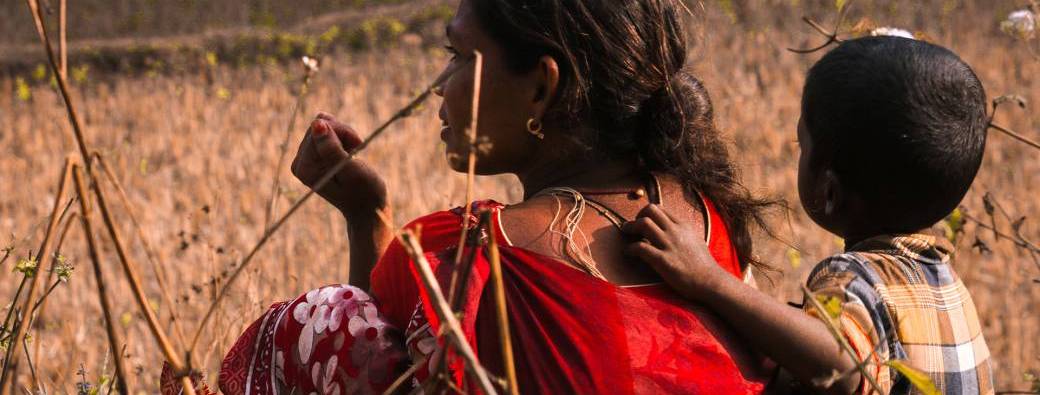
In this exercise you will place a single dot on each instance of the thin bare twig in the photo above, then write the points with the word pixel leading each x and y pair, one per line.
pixel 832 36
pixel 70 109
pixel 29 361
pixel 158 266
pixel 996 104
pixel 471 155
pixel 844 343
pixel 130 271
pixel 404 377
pixel 99 278
pixel 272 203
pixel 453 330
pixel 325 179
pixel 305 84
pixel 501 310
pixel 63 46
pixel 22 327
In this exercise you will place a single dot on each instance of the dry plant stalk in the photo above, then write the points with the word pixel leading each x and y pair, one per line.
pixel 157 264
pixel 22 327
pixel 501 311
pixel 160 337
pixel 810 297
pixel 272 203
pixel 832 36
pixel 449 324
pixel 62 42
pixel 95 259
pixel 325 179
pixel 404 377
pixel 471 157
pixel 1011 133
pixel 130 270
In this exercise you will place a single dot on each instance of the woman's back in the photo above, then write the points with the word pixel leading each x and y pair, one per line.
pixel 536 224
pixel 575 332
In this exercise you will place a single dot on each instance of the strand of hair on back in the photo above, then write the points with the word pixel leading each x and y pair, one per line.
pixel 324 180
pixel 99 279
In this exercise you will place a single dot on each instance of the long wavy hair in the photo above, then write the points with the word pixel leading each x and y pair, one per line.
pixel 624 92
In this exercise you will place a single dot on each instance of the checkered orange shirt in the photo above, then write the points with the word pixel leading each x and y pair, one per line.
pixel 900 291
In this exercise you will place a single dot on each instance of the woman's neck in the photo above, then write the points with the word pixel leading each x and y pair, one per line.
pixel 578 174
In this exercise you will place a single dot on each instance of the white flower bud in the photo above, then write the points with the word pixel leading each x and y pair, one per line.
pixel 1020 24
pixel 892 31
pixel 310 63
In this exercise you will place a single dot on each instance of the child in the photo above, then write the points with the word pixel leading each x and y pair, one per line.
pixel 891 134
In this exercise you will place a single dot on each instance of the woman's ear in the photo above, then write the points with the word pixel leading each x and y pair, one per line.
pixel 547 80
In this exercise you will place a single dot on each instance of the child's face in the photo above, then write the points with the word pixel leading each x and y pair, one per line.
pixel 816 185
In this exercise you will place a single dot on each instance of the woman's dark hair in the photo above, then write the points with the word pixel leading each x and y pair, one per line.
pixel 624 90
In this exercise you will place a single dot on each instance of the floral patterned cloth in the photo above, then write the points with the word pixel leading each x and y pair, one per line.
pixel 331 340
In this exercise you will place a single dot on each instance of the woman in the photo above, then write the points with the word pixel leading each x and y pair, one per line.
pixel 587 103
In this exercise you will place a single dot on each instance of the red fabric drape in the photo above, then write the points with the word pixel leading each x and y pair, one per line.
pixel 571 332
pixel 575 333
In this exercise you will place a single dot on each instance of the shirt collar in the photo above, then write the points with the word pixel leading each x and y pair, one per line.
pixel 924 246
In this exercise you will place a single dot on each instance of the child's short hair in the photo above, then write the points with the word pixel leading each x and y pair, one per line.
pixel 901 122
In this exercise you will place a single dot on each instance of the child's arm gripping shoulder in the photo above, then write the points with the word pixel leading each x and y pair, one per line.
pixel 848 282
pixel 798 342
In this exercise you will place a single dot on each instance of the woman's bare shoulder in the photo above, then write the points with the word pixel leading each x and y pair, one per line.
pixel 527 223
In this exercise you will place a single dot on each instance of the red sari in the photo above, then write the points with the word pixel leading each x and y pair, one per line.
pixel 571 332
pixel 575 333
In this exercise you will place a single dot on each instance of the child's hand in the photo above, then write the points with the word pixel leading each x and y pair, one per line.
pixel 674 251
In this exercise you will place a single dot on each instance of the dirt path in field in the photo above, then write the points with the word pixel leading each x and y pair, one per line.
pixel 14 56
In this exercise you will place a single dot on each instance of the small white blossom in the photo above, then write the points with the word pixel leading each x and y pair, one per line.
pixel 1020 24
pixel 310 63
pixel 892 31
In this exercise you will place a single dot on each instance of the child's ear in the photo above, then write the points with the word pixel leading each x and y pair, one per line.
pixel 833 197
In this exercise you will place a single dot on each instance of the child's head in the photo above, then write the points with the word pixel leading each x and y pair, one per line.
pixel 892 134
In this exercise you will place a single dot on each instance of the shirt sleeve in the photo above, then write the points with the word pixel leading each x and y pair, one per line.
pixel 861 321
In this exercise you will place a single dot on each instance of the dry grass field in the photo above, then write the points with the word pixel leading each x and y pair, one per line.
pixel 198 152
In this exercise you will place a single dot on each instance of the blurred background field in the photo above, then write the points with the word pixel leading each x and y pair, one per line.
pixel 189 101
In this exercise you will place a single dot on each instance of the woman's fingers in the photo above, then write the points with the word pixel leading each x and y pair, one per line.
pixel 303 163
pixel 346 134
pixel 658 215
pixel 645 252
pixel 327 145
pixel 647 229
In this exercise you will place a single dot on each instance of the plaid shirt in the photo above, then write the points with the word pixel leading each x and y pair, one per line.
pixel 901 291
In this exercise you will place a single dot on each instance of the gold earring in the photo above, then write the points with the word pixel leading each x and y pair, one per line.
pixel 535 128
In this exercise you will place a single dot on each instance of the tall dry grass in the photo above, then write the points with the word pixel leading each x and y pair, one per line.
pixel 197 155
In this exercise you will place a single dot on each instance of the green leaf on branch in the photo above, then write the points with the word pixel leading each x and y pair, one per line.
pixel 919 379
pixel 830 304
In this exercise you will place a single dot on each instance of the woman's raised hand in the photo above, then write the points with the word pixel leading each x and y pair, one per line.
pixel 356 189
